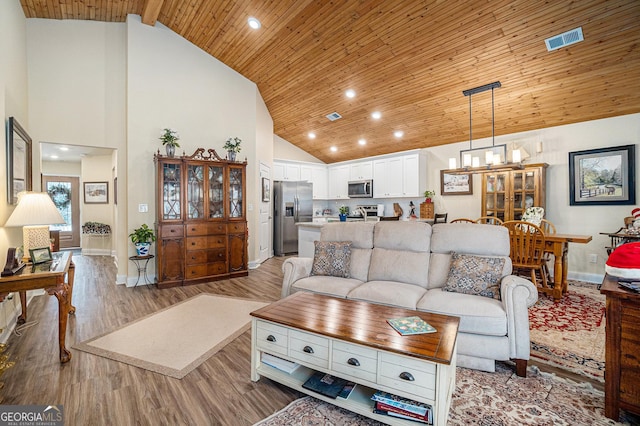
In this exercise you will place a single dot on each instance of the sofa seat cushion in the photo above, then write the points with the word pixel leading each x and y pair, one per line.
pixel 330 286
pixel 388 293
pixel 478 315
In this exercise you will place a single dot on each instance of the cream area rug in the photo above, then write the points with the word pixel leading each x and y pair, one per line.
pixel 176 340
pixel 480 398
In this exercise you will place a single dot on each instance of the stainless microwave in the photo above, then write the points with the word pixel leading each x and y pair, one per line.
pixel 361 188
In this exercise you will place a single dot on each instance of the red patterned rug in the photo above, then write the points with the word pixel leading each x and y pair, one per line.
pixel 570 333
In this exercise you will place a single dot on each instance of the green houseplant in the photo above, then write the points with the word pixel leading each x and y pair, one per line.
pixel 428 194
pixel 170 140
pixel 142 238
pixel 344 211
pixel 232 145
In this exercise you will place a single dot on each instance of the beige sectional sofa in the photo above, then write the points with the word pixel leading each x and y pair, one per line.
pixel 408 264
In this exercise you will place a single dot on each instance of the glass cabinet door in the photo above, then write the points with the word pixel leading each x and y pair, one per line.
pixel 195 192
pixel 496 201
pixel 523 192
pixel 235 192
pixel 216 192
pixel 171 196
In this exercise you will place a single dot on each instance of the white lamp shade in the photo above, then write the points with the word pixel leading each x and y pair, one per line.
pixel 34 208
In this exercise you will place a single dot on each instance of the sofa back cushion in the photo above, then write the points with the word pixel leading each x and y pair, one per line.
pixel 361 236
pixel 401 252
pixel 465 238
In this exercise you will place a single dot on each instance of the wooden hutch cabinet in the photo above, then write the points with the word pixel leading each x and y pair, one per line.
pixel 201 220
pixel 506 194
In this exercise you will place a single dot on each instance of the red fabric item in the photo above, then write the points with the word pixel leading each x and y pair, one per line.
pixel 624 261
pixel 636 213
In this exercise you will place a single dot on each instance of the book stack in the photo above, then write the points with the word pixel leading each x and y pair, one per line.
pixel 396 406
pixel 329 385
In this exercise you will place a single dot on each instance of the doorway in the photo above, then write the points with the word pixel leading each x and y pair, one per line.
pixel 65 193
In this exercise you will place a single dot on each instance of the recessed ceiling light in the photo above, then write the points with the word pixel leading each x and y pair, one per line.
pixel 333 149
pixel 64 148
pixel 376 115
pixel 350 93
pixel 362 141
pixel 398 133
pixel 54 156
pixel 311 135
pixel 254 23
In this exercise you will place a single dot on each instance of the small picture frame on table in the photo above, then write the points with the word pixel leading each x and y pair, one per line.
pixel 40 255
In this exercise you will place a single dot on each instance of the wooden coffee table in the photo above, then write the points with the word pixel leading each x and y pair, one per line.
pixel 351 339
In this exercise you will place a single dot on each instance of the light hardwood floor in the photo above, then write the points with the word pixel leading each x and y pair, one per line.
pixel 99 391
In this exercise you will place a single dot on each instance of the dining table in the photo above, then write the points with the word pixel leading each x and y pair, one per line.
pixel 558 246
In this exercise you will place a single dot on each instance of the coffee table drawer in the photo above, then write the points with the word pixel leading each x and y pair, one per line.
pixel 354 360
pixel 309 348
pixel 272 338
pixel 408 375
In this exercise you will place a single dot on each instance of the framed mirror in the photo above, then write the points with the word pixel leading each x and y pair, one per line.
pixel 18 161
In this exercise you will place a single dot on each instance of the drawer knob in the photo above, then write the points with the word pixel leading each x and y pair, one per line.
pixel 193 244
pixel 353 361
pixel 172 230
pixel 407 376
pixel 271 338
pixel 308 349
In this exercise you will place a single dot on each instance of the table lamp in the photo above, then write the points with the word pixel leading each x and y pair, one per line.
pixel 35 212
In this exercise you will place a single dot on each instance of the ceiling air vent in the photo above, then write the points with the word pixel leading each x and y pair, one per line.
pixel 333 116
pixel 564 39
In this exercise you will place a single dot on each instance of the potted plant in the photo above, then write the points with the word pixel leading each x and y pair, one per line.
pixel 170 140
pixel 343 212
pixel 142 238
pixel 232 145
pixel 428 194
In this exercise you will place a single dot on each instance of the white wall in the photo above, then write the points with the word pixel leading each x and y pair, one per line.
pixel 13 103
pixel 97 168
pixel 284 150
pixel 557 142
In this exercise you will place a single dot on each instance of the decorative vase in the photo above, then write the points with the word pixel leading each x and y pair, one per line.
pixel 231 155
pixel 171 150
pixel 343 217
pixel 143 249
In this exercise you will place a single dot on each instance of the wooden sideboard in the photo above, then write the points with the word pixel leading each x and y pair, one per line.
pixel 622 375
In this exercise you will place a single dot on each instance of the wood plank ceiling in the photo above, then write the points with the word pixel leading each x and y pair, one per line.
pixel 408 59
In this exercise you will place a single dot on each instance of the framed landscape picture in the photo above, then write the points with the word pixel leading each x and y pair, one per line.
pixel 18 161
pixel 456 183
pixel 96 192
pixel 266 189
pixel 604 176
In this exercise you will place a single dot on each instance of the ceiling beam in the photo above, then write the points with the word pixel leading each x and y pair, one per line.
pixel 150 11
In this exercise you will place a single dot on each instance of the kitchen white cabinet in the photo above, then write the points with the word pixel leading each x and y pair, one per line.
pixel 286 171
pixel 361 170
pixel 338 182
pixel 400 176
pixel 316 174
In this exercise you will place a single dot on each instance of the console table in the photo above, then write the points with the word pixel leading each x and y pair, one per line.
pixel 622 351
pixel 49 276
pixel 351 339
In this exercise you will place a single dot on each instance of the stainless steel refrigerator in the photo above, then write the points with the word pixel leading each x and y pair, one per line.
pixel 292 203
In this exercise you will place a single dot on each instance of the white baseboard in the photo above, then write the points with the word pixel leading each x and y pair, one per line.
pixel 583 276
pixel 96 252
pixel 12 314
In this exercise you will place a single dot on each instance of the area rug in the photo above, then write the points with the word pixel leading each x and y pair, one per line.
pixel 176 340
pixel 481 398
pixel 570 333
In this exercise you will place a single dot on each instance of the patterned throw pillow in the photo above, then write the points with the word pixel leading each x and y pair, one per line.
pixel 332 258
pixel 475 275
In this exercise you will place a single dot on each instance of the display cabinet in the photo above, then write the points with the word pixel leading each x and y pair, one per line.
pixel 201 219
pixel 506 194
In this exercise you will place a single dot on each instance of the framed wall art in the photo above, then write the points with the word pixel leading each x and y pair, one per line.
pixel 456 183
pixel 96 192
pixel 18 161
pixel 604 176
pixel 266 189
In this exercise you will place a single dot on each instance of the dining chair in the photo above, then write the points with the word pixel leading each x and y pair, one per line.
pixel 527 252
pixel 440 218
pixel 489 220
pixel 462 220
pixel 548 228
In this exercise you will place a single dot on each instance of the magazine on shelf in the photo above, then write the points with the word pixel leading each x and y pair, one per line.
pixel 400 416
pixel 389 410
pixel 279 363
pixel 346 390
pixel 325 384
pixel 415 407
pixel 411 325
